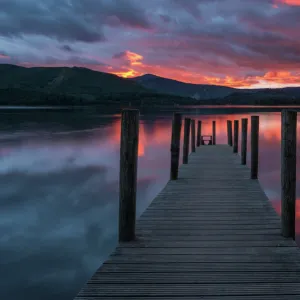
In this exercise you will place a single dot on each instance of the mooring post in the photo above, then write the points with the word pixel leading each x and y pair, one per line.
pixel 175 145
pixel 199 133
pixel 288 172
pixel 229 132
pixel 128 174
pixel 244 141
pixel 186 140
pixel 236 136
pixel 213 132
pixel 193 125
pixel 254 146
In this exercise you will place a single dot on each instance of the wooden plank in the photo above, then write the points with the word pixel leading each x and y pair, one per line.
pixel 208 244
pixel 186 226
pixel 207 223
pixel 167 258
pixel 243 297
pixel 195 277
pixel 207 251
pixel 214 289
pixel 204 231
pixel 206 238
pixel 204 267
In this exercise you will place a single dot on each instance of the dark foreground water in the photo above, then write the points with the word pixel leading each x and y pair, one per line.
pixel 59 191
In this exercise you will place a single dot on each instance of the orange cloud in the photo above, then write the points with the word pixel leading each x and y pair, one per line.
pixel 288 2
pixel 134 58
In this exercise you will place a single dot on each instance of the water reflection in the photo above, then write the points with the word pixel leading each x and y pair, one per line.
pixel 59 193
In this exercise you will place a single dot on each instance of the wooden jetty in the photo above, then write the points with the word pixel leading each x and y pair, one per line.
pixel 211 233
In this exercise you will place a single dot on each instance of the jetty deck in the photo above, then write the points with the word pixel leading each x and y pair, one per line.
pixel 211 234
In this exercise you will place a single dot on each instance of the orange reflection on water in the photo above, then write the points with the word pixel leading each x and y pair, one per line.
pixel 160 134
pixel 277 207
pixel 269 128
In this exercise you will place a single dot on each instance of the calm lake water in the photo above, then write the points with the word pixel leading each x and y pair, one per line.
pixel 59 190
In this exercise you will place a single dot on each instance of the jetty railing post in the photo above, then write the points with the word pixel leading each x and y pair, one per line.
pixel 213 132
pixel 254 146
pixel 186 140
pixel 244 141
pixel 236 136
pixel 199 134
pixel 288 172
pixel 193 125
pixel 175 145
pixel 128 174
pixel 229 132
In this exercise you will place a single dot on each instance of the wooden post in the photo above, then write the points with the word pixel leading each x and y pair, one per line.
pixel 288 172
pixel 193 125
pixel 254 146
pixel 229 132
pixel 186 140
pixel 128 174
pixel 175 145
pixel 199 134
pixel 236 136
pixel 213 132
pixel 244 141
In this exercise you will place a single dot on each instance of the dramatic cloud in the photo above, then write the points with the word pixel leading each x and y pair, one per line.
pixel 230 42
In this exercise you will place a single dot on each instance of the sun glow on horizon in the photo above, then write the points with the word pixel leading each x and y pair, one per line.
pixel 135 66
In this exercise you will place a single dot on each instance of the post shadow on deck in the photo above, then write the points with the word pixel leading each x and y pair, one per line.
pixel 175 145
pixel 128 174
pixel 288 172
pixel 186 140
pixel 199 133
pixel 229 132
pixel 236 136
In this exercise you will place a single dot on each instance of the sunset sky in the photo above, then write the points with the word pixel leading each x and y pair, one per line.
pixel 238 43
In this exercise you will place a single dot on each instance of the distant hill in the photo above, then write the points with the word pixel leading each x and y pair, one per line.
pixel 81 86
pixel 288 95
pixel 221 95
pixel 74 86
pixel 65 80
pixel 174 87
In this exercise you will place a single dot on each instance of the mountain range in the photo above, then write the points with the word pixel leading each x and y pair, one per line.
pixel 170 86
pixel 64 85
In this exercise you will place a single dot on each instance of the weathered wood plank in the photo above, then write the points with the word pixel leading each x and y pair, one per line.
pixel 207 244
pixel 216 289
pixel 195 277
pixel 206 231
pixel 207 251
pixel 219 226
pixel 166 258
pixel 204 267
pixel 240 297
